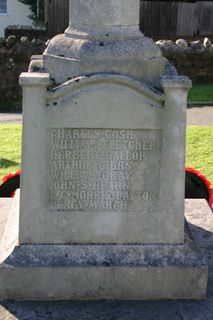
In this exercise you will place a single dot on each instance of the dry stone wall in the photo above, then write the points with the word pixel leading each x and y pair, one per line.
pixel 15 56
pixel 194 59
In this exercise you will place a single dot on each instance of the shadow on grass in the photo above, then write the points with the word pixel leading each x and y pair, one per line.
pixel 5 163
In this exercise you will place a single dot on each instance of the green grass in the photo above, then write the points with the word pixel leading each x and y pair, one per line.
pixel 201 92
pixel 199 149
pixel 10 148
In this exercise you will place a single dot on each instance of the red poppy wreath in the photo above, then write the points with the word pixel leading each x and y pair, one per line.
pixel 196 185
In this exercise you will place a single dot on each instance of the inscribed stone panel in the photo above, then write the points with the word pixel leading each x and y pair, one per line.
pixel 103 169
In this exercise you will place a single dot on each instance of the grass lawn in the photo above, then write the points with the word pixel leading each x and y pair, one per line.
pixel 10 148
pixel 199 149
pixel 201 92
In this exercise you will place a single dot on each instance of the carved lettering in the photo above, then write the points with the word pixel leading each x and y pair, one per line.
pixel 103 169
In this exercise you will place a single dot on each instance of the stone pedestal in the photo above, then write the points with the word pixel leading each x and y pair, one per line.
pixel 124 272
pixel 102 186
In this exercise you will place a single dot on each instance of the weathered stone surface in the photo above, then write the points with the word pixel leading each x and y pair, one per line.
pixel 109 271
pixel 167 45
pixel 182 44
pixel 103 37
pixel 196 45
pixel 207 43
pixel 67 58
pixel 107 255
pixel 83 107
pixel 10 41
pixel 101 20
pixel 24 40
pixel 103 157
pixel 199 216
pixel 36 64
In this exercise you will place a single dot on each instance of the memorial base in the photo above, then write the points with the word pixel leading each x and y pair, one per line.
pixel 86 272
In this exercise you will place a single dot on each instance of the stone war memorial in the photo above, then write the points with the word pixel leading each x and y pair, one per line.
pixel 102 189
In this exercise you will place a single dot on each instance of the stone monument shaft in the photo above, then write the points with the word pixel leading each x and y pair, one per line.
pixel 101 18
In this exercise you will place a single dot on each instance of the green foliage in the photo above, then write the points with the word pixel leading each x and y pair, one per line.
pixel 10 148
pixel 37 9
pixel 199 150
pixel 201 92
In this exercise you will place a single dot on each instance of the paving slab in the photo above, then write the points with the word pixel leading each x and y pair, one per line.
pixel 200 116
pixel 9 225
pixel 10 117
pixel 5 204
pixel 196 116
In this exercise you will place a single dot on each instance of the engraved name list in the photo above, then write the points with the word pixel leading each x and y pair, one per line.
pixel 102 169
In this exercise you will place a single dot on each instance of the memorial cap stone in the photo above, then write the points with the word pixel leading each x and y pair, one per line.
pixel 103 36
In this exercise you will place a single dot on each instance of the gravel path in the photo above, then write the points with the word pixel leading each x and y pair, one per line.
pixel 196 116
pixel 10 117
pixel 200 116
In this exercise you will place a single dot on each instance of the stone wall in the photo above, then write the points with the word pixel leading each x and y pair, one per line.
pixel 15 56
pixel 194 59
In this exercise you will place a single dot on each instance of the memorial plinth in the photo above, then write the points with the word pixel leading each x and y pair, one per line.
pixel 102 189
